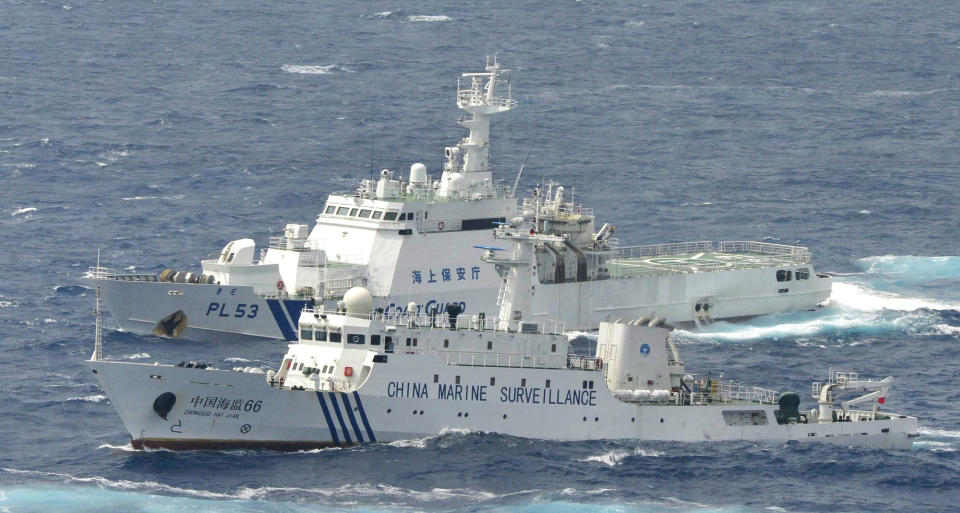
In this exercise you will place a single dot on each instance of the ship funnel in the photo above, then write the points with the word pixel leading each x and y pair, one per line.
pixel 358 302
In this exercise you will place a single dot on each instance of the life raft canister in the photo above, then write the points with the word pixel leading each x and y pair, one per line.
pixel 280 285
pixel 440 225
pixel 348 371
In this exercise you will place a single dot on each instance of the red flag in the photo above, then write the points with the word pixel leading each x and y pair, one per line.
pixel 881 400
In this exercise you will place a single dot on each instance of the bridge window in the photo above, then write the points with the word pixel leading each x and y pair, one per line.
pixel 390 216
pixel 353 212
pixel 365 213
pixel 342 211
pixel 784 275
pixel 388 344
pixel 333 336
pixel 330 209
pixel 306 334
pixel 374 340
pixel 320 335
pixel 803 274
pixel 355 338
pixel 377 214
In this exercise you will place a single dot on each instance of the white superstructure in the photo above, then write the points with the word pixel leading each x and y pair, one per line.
pixel 357 377
pixel 556 265
pixel 411 238
pixel 403 237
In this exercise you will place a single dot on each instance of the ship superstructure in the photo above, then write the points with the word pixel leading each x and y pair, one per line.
pixel 556 264
pixel 404 238
pixel 359 375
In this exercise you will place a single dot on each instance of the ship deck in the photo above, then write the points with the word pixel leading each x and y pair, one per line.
pixel 696 257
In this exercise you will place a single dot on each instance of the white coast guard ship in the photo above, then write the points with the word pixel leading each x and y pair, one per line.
pixel 411 240
pixel 356 377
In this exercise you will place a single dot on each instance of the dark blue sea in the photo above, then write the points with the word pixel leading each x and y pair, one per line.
pixel 158 131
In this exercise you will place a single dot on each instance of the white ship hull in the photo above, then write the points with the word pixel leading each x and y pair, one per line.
pixel 221 313
pixel 400 400
pixel 733 295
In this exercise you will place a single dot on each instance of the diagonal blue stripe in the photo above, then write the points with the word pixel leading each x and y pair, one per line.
pixel 336 409
pixel 281 318
pixel 326 413
pixel 363 416
pixel 353 420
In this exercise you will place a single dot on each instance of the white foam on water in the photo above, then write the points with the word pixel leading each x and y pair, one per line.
pixel 125 448
pixel 635 23
pixel 141 198
pixel 935 446
pixel 383 14
pixel 8 304
pixel 236 359
pixel 305 69
pixel 428 18
pixel 364 492
pixel 854 297
pixel 938 433
pixel 99 398
pixel 615 457
pixel 123 484
pixel 24 210
pixel 865 212
pixel 914 267
pixel 136 356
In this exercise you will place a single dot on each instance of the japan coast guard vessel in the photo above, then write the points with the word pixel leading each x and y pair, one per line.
pixel 359 376
pixel 412 241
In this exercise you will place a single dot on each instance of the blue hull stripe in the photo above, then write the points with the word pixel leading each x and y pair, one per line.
pixel 294 307
pixel 353 420
pixel 363 416
pixel 336 409
pixel 326 413
pixel 281 317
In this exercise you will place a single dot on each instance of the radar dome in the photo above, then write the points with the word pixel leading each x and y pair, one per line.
pixel 358 302
pixel 418 173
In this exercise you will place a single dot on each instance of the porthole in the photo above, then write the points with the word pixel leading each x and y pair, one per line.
pixel 596 419
pixel 633 419
pixel 389 410
pixel 504 415
pixel 661 421
pixel 584 419
pixel 459 414
pixel 421 412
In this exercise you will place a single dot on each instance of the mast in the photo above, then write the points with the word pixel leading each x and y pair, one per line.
pixel 467 171
pixel 98 334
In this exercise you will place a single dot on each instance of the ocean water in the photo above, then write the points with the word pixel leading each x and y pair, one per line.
pixel 158 131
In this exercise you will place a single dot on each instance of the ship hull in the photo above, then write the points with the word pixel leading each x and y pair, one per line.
pixel 413 396
pixel 218 313
pixel 732 295
pixel 223 313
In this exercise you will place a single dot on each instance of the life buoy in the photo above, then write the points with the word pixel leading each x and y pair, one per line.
pixel 348 371
pixel 440 225
pixel 280 285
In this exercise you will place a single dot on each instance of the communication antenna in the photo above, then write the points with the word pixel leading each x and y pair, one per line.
pixel 516 182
